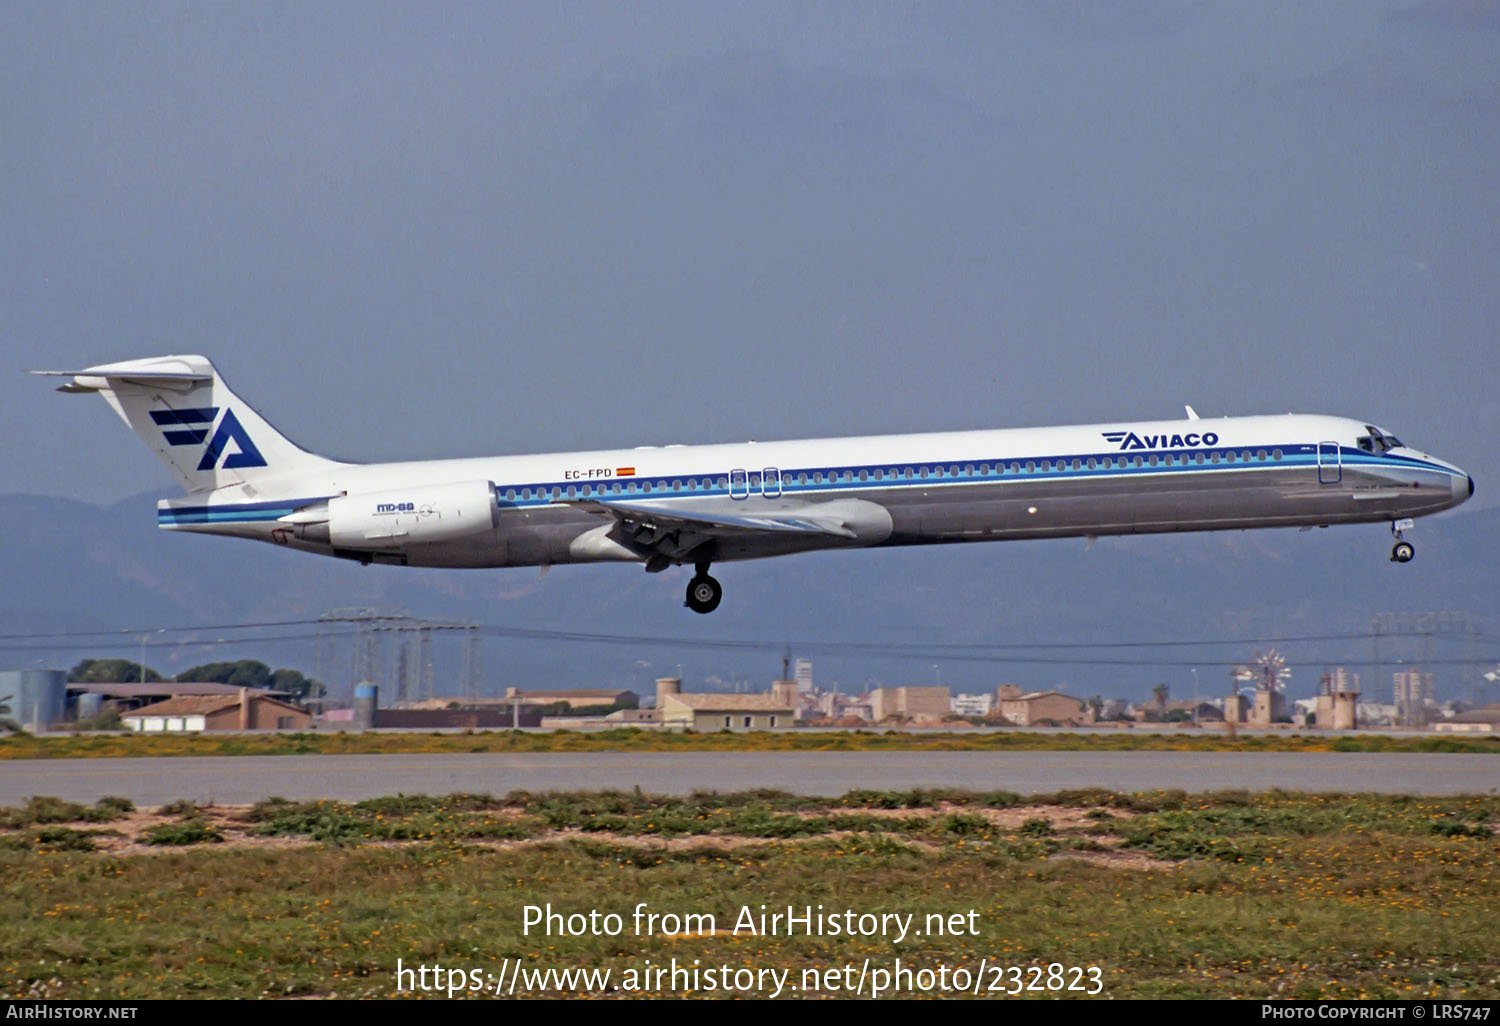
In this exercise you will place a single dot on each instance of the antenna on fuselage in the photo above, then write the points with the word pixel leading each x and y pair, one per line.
pixel 1192 413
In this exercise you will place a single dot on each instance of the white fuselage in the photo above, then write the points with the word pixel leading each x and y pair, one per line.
pixel 1193 475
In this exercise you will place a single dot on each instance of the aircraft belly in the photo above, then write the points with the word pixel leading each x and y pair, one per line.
pixel 1132 503
pixel 1151 503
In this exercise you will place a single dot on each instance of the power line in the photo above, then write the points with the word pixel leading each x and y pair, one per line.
pixel 547 634
pixel 1039 653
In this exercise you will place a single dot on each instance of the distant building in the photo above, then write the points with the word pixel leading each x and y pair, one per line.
pixel 36 697
pixel 576 698
pixel 972 705
pixel 1337 680
pixel 718 712
pixel 1194 711
pixel 1376 714
pixel 804 676
pixel 1338 711
pixel 1414 693
pixel 128 696
pixel 251 709
pixel 1236 708
pixel 679 711
pixel 1035 707
pixel 1267 706
pixel 911 702
pixel 1483 720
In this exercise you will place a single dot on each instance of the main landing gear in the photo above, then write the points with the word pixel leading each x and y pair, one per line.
pixel 703 592
pixel 1402 551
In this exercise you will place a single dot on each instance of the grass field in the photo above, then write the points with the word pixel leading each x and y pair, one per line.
pixel 63 746
pixel 1168 895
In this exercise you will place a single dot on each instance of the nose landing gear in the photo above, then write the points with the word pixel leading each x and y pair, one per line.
pixel 1403 550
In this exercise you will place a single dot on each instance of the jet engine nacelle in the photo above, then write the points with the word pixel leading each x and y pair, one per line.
pixel 400 516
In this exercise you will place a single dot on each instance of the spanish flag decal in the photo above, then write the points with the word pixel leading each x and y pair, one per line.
pixel 624 472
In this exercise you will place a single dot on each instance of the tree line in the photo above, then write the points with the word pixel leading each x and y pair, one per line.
pixel 246 673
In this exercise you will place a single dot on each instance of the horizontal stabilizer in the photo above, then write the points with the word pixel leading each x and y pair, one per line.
pixel 166 369
pixel 205 434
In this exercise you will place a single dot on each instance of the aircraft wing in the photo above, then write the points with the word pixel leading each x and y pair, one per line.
pixel 802 518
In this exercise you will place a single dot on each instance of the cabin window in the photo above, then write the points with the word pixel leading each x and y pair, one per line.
pixel 879 474
pixel 1260 454
pixel 754 480
pixel 677 484
pixel 802 479
pixel 556 493
pixel 864 475
pixel 525 493
pixel 1214 456
pixel 1077 464
pixel 969 469
pixel 1229 457
pixel 984 469
pixel 953 471
pixel 510 493
pixel 646 486
pixel 1030 466
pixel 1275 454
pixel 922 472
pixel 1093 463
pixel 588 490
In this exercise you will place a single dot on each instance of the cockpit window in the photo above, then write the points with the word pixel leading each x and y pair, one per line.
pixel 1377 441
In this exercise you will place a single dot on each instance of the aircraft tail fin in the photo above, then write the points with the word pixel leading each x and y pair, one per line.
pixel 206 435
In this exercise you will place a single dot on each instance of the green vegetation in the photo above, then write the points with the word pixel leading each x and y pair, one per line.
pixel 111 671
pixel 1169 894
pixel 251 673
pixel 245 673
pixel 629 739
pixel 55 810
pixel 186 831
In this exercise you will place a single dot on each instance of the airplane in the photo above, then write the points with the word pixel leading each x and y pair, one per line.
pixel 699 505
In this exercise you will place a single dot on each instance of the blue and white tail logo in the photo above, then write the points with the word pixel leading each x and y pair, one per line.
pixel 191 427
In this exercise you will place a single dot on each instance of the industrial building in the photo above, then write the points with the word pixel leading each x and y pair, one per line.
pixel 127 697
pixel 36 697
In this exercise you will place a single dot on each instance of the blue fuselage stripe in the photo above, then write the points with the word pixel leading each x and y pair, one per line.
pixel 803 480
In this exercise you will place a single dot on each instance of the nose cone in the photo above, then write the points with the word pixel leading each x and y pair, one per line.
pixel 1463 487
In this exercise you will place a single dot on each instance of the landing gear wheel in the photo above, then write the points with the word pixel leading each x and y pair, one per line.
pixel 1402 552
pixel 703 594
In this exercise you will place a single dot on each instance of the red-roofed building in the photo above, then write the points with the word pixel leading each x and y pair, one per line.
pixel 249 709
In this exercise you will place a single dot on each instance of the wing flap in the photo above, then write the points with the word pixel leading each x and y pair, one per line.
pixel 711 520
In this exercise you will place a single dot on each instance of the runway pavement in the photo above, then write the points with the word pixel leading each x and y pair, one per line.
pixel 245 779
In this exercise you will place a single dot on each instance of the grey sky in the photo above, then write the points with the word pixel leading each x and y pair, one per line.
pixel 409 231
